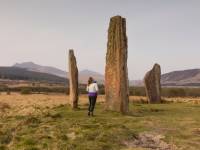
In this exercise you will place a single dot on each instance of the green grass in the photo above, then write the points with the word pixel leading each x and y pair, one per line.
pixel 65 129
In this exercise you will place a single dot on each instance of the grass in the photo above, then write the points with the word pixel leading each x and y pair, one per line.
pixel 60 128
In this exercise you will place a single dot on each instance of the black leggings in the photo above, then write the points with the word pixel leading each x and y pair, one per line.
pixel 92 102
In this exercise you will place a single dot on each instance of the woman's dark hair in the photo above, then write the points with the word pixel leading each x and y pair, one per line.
pixel 90 80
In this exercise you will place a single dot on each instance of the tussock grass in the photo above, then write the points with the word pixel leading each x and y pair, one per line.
pixel 61 128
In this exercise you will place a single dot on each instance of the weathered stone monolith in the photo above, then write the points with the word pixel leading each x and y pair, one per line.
pixel 73 80
pixel 116 71
pixel 152 84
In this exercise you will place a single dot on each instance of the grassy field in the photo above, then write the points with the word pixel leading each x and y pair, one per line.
pixel 46 122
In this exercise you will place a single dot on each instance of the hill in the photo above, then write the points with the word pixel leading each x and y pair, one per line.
pixel 189 77
pixel 15 73
pixel 43 69
pixel 83 75
pixel 181 78
pixel 136 83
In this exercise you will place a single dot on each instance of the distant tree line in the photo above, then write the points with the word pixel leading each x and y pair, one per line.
pixel 169 91
pixel 134 91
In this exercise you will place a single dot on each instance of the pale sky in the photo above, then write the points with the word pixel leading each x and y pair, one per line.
pixel 159 31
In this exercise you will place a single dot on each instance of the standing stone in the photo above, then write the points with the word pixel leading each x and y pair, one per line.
pixel 152 84
pixel 73 80
pixel 116 72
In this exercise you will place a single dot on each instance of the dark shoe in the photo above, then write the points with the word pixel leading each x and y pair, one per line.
pixel 88 113
pixel 92 114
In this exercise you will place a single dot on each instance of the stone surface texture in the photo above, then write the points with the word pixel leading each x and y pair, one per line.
pixel 73 80
pixel 152 84
pixel 116 71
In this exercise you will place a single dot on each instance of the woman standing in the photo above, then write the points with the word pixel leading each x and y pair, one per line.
pixel 92 89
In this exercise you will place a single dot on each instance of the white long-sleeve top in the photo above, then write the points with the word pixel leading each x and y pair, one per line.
pixel 92 88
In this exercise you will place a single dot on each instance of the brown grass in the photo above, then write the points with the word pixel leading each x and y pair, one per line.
pixel 27 104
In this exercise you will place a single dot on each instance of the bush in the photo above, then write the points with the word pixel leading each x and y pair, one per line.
pixel 133 91
pixel 101 89
pixel 137 91
pixel 174 92
pixel 8 92
pixel 26 91
pixel 177 92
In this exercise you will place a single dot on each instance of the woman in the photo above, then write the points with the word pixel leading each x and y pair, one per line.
pixel 92 89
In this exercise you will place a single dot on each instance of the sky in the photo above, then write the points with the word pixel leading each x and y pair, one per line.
pixel 42 31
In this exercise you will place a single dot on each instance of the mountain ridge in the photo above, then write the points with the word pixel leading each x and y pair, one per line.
pixel 189 77
pixel 16 73
pixel 38 68
pixel 83 74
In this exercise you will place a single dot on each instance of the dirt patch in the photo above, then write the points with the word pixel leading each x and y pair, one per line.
pixel 4 106
pixel 150 141
pixel 196 131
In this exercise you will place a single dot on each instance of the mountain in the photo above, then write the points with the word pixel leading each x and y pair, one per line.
pixel 176 78
pixel 189 77
pixel 43 69
pixel 83 75
pixel 181 78
pixel 15 73
pixel 136 83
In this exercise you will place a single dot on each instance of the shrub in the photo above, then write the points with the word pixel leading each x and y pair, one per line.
pixel 8 92
pixel 137 91
pixel 173 92
pixel 26 91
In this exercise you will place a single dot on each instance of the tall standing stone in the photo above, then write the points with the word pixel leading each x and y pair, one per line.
pixel 116 71
pixel 152 84
pixel 73 80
